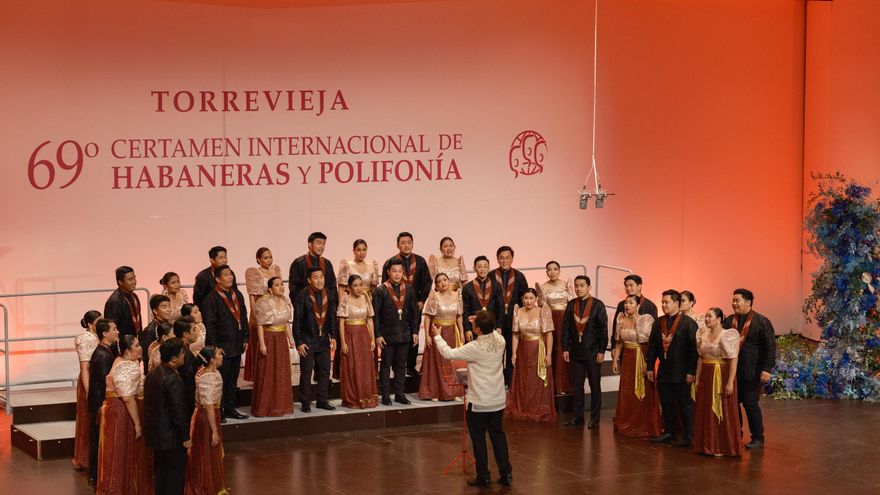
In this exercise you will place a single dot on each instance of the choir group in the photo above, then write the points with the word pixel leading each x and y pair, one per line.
pixel 151 398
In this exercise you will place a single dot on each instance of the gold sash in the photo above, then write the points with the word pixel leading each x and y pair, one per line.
pixel 542 354
pixel 275 328
pixel 558 306
pixel 109 394
pixel 641 366
pixel 717 388
pixel 355 322
pixel 447 323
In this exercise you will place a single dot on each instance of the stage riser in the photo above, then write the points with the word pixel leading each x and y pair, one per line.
pixel 42 450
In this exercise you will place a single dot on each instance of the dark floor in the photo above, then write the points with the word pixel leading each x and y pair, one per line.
pixel 813 447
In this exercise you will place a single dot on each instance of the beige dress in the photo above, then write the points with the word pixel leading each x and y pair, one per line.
pixel 368 271
pixel 557 299
pixel 197 346
pixel 438 374
pixel 531 393
pixel 85 344
pixel 457 274
pixel 257 285
pixel 177 302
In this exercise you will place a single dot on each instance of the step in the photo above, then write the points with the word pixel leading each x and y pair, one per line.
pixel 48 440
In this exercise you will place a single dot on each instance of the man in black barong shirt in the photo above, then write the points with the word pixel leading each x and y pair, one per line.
pixel 166 423
pixel 160 308
pixel 123 306
pixel 584 339
pixel 314 332
pixel 632 284
pixel 396 325
pixel 299 269
pixel 415 273
pixel 226 326
pixel 673 342
pixel 757 356
pixel 512 284
pixel 184 330
pixel 480 294
pixel 99 367
pixel 205 278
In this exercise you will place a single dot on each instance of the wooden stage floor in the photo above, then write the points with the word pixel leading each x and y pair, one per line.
pixel 812 447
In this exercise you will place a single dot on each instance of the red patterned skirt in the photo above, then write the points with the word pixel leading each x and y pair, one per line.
pixel 357 369
pixel 635 417
pixel 204 469
pixel 561 369
pixel 712 436
pixel 121 458
pixel 438 379
pixel 273 393
pixel 83 428
pixel 529 396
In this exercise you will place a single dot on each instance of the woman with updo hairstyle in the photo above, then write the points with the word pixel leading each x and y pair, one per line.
pixel 178 296
pixel 85 344
pixel 366 269
pixel 444 308
pixel 257 285
pixel 273 395
pixel 164 331
pixel 357 368
pixel 531 394
pixel 638 405
pixel 199 327
pixel 125 463
pixel 556 292
pixel 716 407
pixel 448 264
pixel 688 299
pixel 204 471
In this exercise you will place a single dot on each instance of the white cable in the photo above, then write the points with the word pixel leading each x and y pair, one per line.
pixel 593 170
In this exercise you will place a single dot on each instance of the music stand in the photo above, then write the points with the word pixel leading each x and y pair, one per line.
pixel 467 460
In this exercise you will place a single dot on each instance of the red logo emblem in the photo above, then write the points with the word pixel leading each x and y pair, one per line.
pixel 527 153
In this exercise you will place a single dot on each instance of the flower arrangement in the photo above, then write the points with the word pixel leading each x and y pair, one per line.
pixel 843 222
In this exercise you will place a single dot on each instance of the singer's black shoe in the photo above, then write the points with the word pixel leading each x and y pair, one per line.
pixel 506 479
pixel 234 414
pixel 386 401
pixel 575 422
pixel 593 424
pixel 664 438
pixel 401 399
pixel 483 482
pixel 306 407
pixel 755 444
pixel 325 406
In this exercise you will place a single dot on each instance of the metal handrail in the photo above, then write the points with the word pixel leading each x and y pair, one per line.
pixel 609 267
pixel 6 340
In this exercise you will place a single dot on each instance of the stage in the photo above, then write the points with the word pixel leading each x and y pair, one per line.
pixel 813 446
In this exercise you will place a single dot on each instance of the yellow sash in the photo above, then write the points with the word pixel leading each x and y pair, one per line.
pixel 446 323
pixel 275 328
pixel 355 322
pixel 542 355
pixel 641 366
pixel 717 388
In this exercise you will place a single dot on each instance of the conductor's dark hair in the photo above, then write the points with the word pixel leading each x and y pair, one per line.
pixel 480 258
pixel 485 321
pixel 102 326
pixel 90 317
pixel 316 235
pixel 689 295
pixel 122 271
pixel 502 249
pixel 215 251
pixel 166 279
pixel 402 235
pixel 673 294
pixel 584 278
pixel 183 325
pixel 157 299
pixel 170 349
pixel 635 278
pixel 746 294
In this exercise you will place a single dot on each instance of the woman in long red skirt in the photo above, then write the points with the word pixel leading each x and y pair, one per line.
pixel 556 293
pixel 85 344
pixel 204 470
pixel 257 285
pixel 531 393
pixel 122 458
pixel 716 412
pixel 273 393
pixel 443 308
pixel 357 369
pixel 638 405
